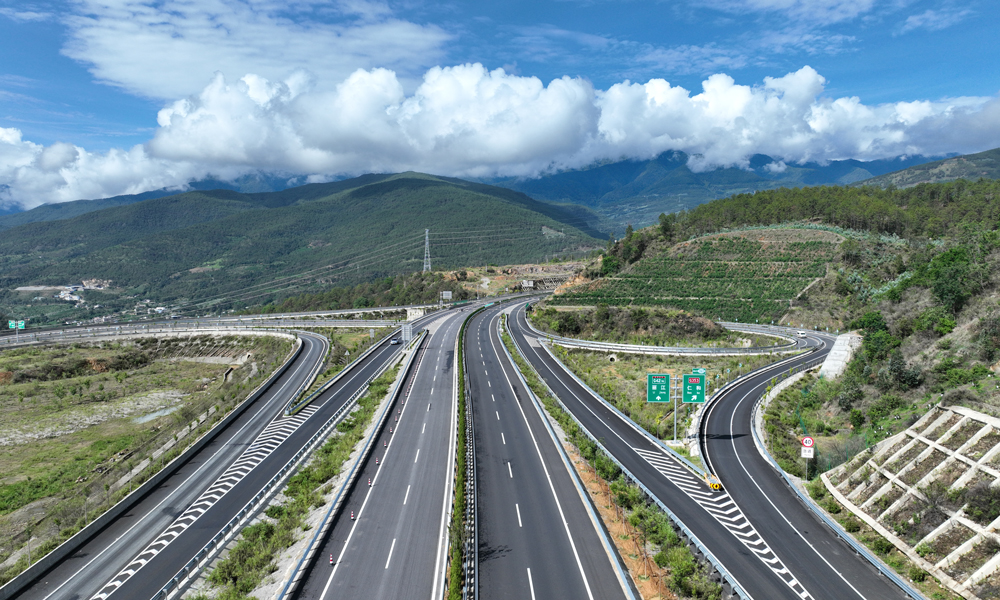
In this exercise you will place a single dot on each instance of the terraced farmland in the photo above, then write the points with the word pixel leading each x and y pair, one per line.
pixel 739 276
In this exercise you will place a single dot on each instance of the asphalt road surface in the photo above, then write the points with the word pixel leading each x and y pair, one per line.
pixel 760 559
pixel 536 537
pixel 260 439
pixel 395 546
pixel 825 566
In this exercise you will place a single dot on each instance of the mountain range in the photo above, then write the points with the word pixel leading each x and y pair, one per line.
pixel 250 248
pixel 637 192
pixel 969 166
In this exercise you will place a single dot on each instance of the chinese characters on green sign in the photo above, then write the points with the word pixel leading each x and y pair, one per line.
pixel 694 389
pixel 657 388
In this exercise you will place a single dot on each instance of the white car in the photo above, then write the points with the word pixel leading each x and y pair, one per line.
pixel 800 333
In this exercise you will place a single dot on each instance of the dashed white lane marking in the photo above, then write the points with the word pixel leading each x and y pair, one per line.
pixel 428 407
pixel 503 438
pixel 391 548
pixel 276 432
pixel 509 471
pixel 407 495
pixel 424 428
pixel 494 398
pixel 417 456
pixel 720 505
pixel 531 585
pixel 489 384
pixel 498 415
pixel 518 509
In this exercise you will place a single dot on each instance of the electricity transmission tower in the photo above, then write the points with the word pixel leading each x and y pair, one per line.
pixel 427 250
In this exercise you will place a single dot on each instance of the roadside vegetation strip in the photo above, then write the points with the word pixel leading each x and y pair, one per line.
pixel 650 524
pixel 253 557
pixel 623 384
pixel 653 327
pixel 457 585
pixel 104 453
pixel 883 547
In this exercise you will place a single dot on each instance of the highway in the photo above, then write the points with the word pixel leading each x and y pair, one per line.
pixel 396 544
pixel 767 560
pixel 536 536
pixel 159 534
pixel 826 567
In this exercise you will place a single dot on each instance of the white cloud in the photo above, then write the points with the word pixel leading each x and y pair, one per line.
pixel 168 48
pixel 812 11
pixel 935 20
pixel 468 121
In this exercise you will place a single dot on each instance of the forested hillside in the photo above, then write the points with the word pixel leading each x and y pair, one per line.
pixel 917 273
pixel 223 247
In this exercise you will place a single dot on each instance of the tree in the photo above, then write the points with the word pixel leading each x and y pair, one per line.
pixel 667 225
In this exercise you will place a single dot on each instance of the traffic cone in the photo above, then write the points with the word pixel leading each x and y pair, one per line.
pixel 331 560
pixel 352 518
pixel 369 482
pixel 390 431
pixel 376 460
pixel 384 443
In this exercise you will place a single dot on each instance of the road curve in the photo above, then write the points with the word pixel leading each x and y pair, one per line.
pixel 824 564
pixel 86 572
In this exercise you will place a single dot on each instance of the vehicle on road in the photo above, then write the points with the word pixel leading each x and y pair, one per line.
pixel 394 341
pixel 800 333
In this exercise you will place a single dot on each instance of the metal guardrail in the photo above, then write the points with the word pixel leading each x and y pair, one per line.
pixel 310 550
pixel 642 349
pixel 14 586
pixel 234 525
pixel 294 407
pixel 724 574
pixel 470 551
pixel 833 525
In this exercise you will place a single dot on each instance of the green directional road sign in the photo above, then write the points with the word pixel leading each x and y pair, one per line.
pixel 657 388
pixel 20 324
pixel 701 371
pixel 11 324
pixel 694 389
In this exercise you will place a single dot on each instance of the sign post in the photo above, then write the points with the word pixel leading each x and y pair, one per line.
pixel 658 390
pixel 808 447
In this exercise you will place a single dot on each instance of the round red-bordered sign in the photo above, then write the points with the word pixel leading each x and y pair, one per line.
pixel 808 442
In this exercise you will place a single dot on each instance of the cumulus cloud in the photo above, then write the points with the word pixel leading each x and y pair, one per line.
pixel 466 120
pixel 166 49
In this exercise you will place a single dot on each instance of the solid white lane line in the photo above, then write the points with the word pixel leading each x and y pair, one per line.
pixel 391 548
pixel 509 471
pixel 424 428
pixel 407 495
pixel 205 465
pixel 545 469
pixel 518 509
pixel 503 438
pixel 531 586
pixel 498 415
pixel 732 427
pixel 417 456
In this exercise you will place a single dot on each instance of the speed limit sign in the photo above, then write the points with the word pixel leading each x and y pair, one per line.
pixel 808 442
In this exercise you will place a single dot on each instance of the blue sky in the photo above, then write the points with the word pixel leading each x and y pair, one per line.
pixel 102 97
